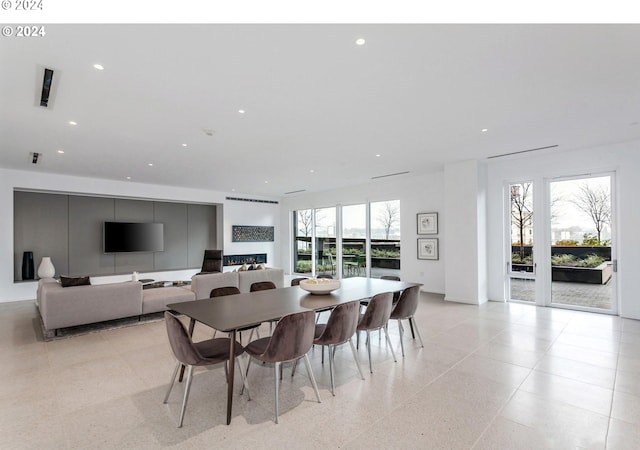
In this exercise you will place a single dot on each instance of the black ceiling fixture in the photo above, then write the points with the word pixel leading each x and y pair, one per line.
pixel 46 87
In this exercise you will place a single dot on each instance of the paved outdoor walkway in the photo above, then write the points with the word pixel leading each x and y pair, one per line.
pixel 566 293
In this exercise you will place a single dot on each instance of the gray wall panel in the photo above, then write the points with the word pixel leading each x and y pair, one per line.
pixel 201 232
pixel 174 218
pixel 133 211
pixel 86 218
pixel 69 229
pixel 40 225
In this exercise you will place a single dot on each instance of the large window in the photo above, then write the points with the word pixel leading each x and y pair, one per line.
pixel 364 242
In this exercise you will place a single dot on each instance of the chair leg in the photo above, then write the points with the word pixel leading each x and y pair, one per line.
pixel 293 368
pixel 415 326
pixel 401 333
pixel 173 380
pixel 333 386
pixel 386 333
pixel 186 395
pixel 246 374
pixel 245 383
pixel 226 370
pixel 355 357
pixel 413 334
pixel 277 382
pixel 369 351
pixel 311 377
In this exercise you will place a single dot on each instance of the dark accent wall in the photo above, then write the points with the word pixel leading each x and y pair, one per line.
pixel 68 228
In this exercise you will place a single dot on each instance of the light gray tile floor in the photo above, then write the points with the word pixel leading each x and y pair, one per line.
pixel 494 376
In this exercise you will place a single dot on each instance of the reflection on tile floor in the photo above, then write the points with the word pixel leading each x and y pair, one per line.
pixel 495 376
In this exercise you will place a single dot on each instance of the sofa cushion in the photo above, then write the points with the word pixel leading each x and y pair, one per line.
pixel 74 281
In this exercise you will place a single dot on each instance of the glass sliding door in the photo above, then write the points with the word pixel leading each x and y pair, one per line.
pixel 325 241
pixel 354 239
pixel 302 243
pixel 383 257
pixel 582 250
pixel 521 266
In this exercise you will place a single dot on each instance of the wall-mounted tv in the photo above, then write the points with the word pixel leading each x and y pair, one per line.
pixel 120 237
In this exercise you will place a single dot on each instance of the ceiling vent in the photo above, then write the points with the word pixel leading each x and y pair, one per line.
pixel 389 175
pixel 522 151
pixel 46 87
pixel 295 192
pixel 254 200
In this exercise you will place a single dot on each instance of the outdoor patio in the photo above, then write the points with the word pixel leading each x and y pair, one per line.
pixel 566 293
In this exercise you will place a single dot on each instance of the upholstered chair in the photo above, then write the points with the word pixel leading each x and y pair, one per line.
pixel 291 339
pixel 375 317
pixel 191 354
pixel 339 329
pixel 232 290
pixel 262 286
pixel 212 261
pixel 405 310
pixel 296 281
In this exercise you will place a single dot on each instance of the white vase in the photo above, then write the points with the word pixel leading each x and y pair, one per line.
pixel 46 269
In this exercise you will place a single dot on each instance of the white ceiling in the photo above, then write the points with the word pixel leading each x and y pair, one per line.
pixel 417 95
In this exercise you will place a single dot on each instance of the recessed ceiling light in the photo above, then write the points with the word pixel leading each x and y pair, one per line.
pixel 98 66
pixel 241 111
pixel 61 151
pixel 360 41
pixel 184 145
pixel 484 130
pixel 71 122
pixel 378 155
pixel 128 178
pixel 150 164
pixel 311 171
pixel 233 189
pixel 266 182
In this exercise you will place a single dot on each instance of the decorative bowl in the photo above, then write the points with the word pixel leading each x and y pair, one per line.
pixel 320 286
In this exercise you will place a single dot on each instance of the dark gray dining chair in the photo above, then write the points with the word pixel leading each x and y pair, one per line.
pixel 339 329
pixel 291 340
pixel 396 294
pixel 191 354
pixel 405 309
pixel 264 286
pixel 375 317
pixel 296 281
pixel 232 290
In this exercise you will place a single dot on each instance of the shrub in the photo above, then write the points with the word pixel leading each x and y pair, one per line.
pixel 571 261
pixel 516 259
pixel 567 242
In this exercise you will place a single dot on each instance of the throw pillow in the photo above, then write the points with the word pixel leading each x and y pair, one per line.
pixel 74 281
pixel 243 268
pixel 260 267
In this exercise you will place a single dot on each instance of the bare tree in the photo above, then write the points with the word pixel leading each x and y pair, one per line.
pixel 305 222
pixel 521 211
pixel 596 202
pixel 388 216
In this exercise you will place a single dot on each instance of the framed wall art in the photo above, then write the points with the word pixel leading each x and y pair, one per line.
pixel 427 223
pixel 427 248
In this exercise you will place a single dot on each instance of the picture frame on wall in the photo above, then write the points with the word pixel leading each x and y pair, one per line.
pixel 428 248
pixel 428 223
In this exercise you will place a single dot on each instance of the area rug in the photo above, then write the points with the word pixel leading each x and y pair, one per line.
pixel 64 333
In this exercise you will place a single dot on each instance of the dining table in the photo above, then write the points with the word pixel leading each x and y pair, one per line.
pixel 232 312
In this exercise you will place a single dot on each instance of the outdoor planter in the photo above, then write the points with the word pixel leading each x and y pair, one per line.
pixel 591 275
pixel 594 275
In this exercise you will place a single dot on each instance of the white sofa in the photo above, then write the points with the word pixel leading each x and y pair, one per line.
pixel 203 283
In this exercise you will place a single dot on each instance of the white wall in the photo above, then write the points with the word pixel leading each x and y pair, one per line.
pixel 416 194
pixel 624 159
pixel 465 245
pixel 234 213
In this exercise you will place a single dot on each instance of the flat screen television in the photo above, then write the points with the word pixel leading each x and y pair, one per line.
pixel 121 237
